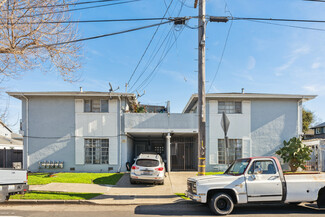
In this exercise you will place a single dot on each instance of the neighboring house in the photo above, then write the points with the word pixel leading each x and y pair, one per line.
pixel 100 132
pixel 11 148
pixel 319 131
pixel 317 161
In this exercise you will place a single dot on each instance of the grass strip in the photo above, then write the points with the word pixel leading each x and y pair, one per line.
pixel 86 178
pixel 49 195
pixel 182 195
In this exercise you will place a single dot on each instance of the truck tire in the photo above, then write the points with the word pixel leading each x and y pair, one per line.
pixel 7 197
pixel 321 199
pixel 221 204
pixel 132 181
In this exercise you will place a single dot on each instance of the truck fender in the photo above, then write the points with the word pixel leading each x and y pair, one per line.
pixel 231 192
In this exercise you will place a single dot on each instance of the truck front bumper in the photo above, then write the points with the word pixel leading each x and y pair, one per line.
pixel 194 197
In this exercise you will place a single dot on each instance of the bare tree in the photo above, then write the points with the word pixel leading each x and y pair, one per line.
pixel 31 36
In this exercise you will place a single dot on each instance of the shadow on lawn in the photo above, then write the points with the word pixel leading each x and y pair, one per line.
pixel 108 180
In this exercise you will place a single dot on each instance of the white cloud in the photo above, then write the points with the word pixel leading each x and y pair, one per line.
pixel 316 65
pixel 295 54
pixel 251 63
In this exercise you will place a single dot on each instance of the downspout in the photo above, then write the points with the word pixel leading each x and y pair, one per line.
pixel 300 120
pixel 26 134
pixel 120 134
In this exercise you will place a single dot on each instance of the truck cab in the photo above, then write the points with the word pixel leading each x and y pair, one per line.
pixel 258 179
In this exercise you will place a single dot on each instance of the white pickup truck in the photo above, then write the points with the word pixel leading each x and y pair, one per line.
pixel 12 182
pixel 255 180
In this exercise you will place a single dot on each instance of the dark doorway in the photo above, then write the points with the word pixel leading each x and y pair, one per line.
pixel 183 154
pixel 151 144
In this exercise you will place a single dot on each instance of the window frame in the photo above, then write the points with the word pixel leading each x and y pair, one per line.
pixel 95 151
pixel 91 109
pixel 255 161
pixel 230 109
pixel 222 150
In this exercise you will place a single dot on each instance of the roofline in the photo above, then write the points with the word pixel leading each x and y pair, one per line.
pixel 18 95
pixel 193 99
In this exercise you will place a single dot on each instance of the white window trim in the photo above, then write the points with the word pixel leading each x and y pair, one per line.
pixel 100 105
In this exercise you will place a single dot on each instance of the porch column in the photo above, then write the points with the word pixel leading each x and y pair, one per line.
pixel 168 151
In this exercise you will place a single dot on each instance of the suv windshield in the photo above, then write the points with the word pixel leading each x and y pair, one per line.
pixel 238 167
pixel 147 163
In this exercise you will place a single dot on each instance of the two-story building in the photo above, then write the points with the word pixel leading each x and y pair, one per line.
pixel 100 131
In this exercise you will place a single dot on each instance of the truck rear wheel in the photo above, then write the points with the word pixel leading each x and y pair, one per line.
pixel 221 204
pixel 321 198
pixel 7 197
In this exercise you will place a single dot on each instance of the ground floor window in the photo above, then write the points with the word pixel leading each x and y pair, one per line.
pixel 234 151
pixel 96 151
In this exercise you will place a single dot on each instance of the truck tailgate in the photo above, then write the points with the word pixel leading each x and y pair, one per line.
pixel 10 176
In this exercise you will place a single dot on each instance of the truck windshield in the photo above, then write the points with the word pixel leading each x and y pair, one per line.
pixel 238 167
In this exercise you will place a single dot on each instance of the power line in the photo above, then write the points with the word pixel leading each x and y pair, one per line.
pixel 101 36
pixel 145 51
pixel 143 85
pixel 277 19
pixel 222 54
pixel 95 21
pixel 285 25
pixel 78 9
pixel 58 5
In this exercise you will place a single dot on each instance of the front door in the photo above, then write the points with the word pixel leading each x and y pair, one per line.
pixel 182 155
pixel 265 185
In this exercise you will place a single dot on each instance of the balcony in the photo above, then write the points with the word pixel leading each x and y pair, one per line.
pixel 160 123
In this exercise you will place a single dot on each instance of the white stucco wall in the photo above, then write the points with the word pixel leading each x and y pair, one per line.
pixel 96 125
pixel 239 128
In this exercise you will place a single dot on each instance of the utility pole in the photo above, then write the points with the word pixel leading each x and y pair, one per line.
pixel 201 88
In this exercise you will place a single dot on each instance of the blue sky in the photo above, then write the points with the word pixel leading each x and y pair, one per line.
pixel 259 57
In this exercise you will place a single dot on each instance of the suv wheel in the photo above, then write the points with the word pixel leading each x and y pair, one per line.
pixel 221 204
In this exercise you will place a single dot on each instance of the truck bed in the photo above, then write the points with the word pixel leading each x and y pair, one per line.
pixel 11 176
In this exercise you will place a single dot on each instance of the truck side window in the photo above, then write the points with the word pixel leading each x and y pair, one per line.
pixel 267 167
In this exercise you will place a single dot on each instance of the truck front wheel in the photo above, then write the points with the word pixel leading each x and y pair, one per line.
pixel 221 204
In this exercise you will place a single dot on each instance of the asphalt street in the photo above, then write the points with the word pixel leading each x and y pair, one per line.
pixel 179 209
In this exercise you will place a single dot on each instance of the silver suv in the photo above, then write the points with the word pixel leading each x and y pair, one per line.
pixel 148 167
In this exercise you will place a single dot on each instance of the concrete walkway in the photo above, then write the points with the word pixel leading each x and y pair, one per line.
pixel 124 193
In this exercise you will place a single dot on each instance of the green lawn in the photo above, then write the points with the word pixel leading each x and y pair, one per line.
pixel 87 178
pixel 46 195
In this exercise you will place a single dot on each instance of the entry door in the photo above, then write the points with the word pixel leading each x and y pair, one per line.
pixel 182 156
pixel 265 186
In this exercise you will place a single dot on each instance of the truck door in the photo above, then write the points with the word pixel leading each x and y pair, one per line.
pixel 263 182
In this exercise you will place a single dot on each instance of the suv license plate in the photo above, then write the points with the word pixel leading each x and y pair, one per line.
pixel 146 173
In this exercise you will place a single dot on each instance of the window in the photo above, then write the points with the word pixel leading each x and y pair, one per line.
pixel 266 167
pixel 96 105
pixel 96 151
pixel 319 130
pixel 229 107
pixel 147 163
pixel 234 151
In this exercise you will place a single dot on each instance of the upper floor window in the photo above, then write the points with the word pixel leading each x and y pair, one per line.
pixel 319 130
pixel 96 105
pixel 229 107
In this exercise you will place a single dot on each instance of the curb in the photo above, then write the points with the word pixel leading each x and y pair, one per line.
pixel 88 202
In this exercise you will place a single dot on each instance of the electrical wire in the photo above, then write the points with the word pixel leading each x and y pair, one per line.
pixel 145 51
pixel 95 21
pixel 277 19
pixel 101 36
pixel 152 74
pixel 292 26
pixel 222 54
pixel 59 5
pixel 84 8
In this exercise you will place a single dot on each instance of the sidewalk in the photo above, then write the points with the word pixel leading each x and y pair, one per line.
pixel 123 193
